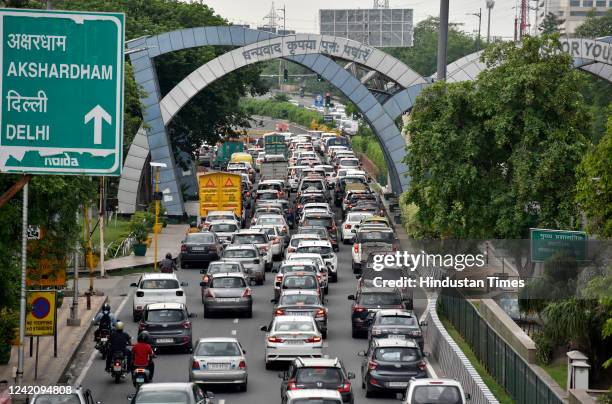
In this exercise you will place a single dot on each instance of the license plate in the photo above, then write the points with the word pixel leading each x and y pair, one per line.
pixel 396 336
pixel 103 339
pixel 117 368
pixel 140 379
pixel 218 366
pixel 397 384
pixel 197 248
pixel 165 340
pixel 227 299
pixel 295 342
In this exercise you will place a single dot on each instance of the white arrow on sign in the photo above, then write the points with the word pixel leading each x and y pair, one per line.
pixel 98 113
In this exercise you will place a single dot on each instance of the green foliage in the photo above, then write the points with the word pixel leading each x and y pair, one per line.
pixel 422 56
pixel 365 142
pixel 281 97
pixel 544 347
pixel 281 110
pixel 512 141
pixel 594 26
pixel 550 24
pixel 140 225
pixel 594 187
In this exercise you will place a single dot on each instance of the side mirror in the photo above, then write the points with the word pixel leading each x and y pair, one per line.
pixel 351 297
pixel 351 375
pixel 358 276
pixel 210 394
pixel 133 285
pixel 244 351
pixel 361 353
pixel 272 300
pixel 423 323
pixel 184 284
pixel 202 271
pixel 256 261
pixel 192 315
pixel 130 397
pixel 264 328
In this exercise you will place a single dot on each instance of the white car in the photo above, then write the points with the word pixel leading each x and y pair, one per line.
pixel 217 215
pixel 295 241
pixel 258 238
pixel 325 250
pixel 313 396
pixel 157 288
pixel 318 206
pixel 277 221
pixel 324 269
pixel 352 219
pixel 291 337
pixel 276 239
pixel 224 229
pixel 442 391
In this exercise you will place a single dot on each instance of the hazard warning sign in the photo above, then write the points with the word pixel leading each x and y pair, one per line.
pixel 229 182
pixel 210 184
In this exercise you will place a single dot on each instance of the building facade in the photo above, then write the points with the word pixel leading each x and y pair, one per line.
pixel 574 12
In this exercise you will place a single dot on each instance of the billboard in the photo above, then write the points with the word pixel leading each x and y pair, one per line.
pixel 378 27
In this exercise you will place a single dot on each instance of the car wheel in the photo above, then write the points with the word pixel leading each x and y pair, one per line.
pixel 334 278
pixel 369 393
pixel 206 313
pixel 324 334
pixel 249 313
pixel 363 386
pixel 346 241
pixel 355 333
pixel 135 316
pixel 189 348
pixel 326 289
pixel 243 387
pixel 268 266
pixel 268 365
pixel 354 267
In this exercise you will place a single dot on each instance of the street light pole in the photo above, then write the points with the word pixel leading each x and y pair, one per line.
pixel 479 15
pixel 157 199
pixel 490 4
pixel 443 40
pixel 22 305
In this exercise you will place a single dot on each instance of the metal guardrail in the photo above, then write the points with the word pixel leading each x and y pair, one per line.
pixel 125 248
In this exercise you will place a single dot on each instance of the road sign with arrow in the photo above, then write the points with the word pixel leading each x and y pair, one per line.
pixel 61 92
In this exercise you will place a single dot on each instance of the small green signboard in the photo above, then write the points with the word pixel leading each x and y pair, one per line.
pixel 546 243
pixel 61 88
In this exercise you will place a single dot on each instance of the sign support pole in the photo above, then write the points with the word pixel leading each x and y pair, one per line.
pixel 156 227
pixel 22 306
pixel 74 319
pixel 36 360
pixel 102 213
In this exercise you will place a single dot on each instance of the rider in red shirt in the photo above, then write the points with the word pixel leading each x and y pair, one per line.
pixel 143 354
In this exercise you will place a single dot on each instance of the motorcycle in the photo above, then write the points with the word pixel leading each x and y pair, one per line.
pixel 118 366
pixel 102 341
pixel 140 376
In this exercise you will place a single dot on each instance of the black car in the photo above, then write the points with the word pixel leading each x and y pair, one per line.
pixel 389 364
pixel 317 373
pixel 367 302
pixel 199 249
pixel 400 324
pixel 168 325
pixel 324 220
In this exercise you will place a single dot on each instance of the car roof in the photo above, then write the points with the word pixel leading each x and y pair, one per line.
pixel 437 382
pixel 217 339
pixel 303 256
pixel 240 247
pixel 314 243
pixel 249 231
pixel 219 212
pixel 223 221
pixel 166 386
pixel 394 312
pixel 393 342
pixel 287 319
pixel 228 261
pixel 299 292
pixel 322 362
pixel 161 306
pixel 159 276
pixel 314 393
pixel 228 275
pixel 296 262
pixel 271 216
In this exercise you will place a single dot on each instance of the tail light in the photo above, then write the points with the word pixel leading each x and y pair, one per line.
pixel 279 278
pixel 209 293
pixel 279 312
pixel 347 226
pixel 291 249
pixel 372 365
pixel 275 339
pixel 345 388
pixel 264 248
pixel 334 227
pixel 291 384
pixel 300 206
pixel 242 365
pixel 195 365
pixel 276 240
pixel 313 339
pixel 356 248
pixel 186 324
pixel 247 292
pixel 183 248
pixel 358 309
pixel 320 313
pixel 422 365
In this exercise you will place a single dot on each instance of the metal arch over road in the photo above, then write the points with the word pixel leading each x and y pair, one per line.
pixel 308 50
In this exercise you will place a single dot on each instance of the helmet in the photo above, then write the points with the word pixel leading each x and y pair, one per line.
pixel 143 336
pixel 169 256
pixel 119 326
pixel 106 307
pixel 193 224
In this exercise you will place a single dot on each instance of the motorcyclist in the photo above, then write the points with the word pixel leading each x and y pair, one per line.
pixel 105 320
pixel 143 354
pixel 119 341
pixel 167 265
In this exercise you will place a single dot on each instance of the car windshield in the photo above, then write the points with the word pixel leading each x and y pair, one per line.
pixel 219 268
pixel 321 232
pixel 294 326
pixel 270 231
pixel 376 236
pixel 436 395
pixel 267 196
pixel 269 220
pixel 162 397
pixel 356 217
pixel 246 253
pixel 316 400
pixel 200 238
pixel 274 186
pixel 287 300
pixel 349 163
pixel 221 216
pixel 313 184
pixel 398 320
pixel 295 241
pixel 379 299
pixel 322 250
pixel 313 375
pixel 297 268
pixel 219 348
pixel 57 399
pixel 159 284
pixel 250 239
pixel 223 228
pixel 318 221
pixel 397 354
pixel 164 316
pixel 227 283
pixel 299 282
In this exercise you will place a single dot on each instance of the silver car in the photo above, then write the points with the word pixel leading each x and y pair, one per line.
pixel 218 267
pixel 258 238
pixel 227 292
pixel 249 256
pixel 219 361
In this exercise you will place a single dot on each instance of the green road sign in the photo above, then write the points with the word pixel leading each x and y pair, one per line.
pixel 547 243
pixel 61 87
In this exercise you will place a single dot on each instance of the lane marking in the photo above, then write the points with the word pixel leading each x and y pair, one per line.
pixel 233 332
pixel 235 321
pixel 221 401
pixel 79 380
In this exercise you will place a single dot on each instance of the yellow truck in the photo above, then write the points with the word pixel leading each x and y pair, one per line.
pixel 220 191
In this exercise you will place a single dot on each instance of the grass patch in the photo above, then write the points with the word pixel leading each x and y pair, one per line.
pixel 112 232
pixel 497 390
pixel 558 372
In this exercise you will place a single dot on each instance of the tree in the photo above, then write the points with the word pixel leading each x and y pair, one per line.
pixel 422 56
pixel 594 187
pixel 594 26
pixel 495 157
pixel 551 23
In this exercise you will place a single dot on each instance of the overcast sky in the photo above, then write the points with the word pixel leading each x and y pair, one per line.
pixel 302 15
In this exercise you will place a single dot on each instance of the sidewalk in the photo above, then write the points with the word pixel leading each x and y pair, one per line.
pixel 69 339
pixel 168 241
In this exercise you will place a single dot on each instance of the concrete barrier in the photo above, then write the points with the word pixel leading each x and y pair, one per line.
pixel 508 329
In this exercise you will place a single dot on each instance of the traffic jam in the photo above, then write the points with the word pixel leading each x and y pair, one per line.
pixel 274 217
